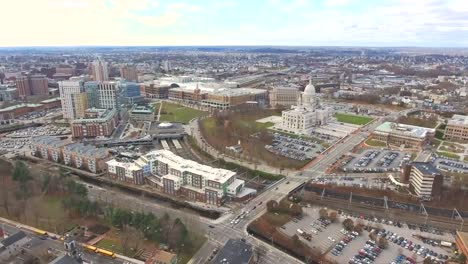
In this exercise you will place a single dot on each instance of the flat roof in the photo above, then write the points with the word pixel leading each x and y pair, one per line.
pixel 132 166
pixel 403 129
pixel 426 168
pixel 234 251
pixel 458 120
pixel 179 163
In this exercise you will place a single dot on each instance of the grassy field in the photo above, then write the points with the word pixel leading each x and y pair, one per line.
pixel 436 142
pixel 448 155
pixel 375 143
pixel 353 119
pixel 110 245
pixel 224 131
pixel 177 113
pixel 452 147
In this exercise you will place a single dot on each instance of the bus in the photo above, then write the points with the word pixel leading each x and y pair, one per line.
pixel 105 252
pixel 38 231
pixel 90 248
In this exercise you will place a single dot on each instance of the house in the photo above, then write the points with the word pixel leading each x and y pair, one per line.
pixel 11 246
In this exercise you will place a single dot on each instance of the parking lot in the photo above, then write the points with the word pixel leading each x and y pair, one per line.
pixel 294 148
pixel 376 161
pixel 450 165
pixel 49 130
pixel 405 244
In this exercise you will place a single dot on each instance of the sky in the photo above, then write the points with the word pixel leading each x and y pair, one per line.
pixel 426 23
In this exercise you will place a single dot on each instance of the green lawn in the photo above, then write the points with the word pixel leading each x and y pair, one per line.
pixel 452 147
pixel 375 143
pixel 353 119
pixel 448 155
pixel 436 142
pixel 110 245
pixel 177 113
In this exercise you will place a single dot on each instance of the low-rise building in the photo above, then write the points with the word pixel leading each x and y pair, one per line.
pixel 75 155
pixel 177 176
pixel 126 171
pixel 425 180
pixel 12 245
pixel 283 96
pixel 156 91
pixel 47 147
pixel 96 123
pixel 457 128
pixel 409 136
pixel 141 113
pixel 85 157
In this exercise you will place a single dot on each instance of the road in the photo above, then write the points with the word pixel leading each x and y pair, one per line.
pixel 221 230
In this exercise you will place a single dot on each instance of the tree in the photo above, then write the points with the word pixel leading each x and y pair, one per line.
pixel 21 172
pixel 348 224
pixel 323 213
pixel 332 216
pixel 358 228
pixel 271 205
pixel 372 236
pixel 382 242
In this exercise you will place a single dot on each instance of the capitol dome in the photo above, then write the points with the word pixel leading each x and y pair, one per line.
pixel 310 88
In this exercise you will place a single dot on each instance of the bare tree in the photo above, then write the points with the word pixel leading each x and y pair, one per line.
pixel 259 253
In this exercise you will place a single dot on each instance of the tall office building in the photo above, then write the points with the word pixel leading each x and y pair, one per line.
pixel 109 95
pixel 100 72
pixel 32 85
pixel 167 66
pixel 92 92
pixel 129 73
pixel 2 74
pixel 74 98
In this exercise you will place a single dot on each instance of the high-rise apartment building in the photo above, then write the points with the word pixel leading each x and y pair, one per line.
pixel 73 97
pixel 100 72
pixel 32 85
pixel 167 66
pixel 129 73
pixel 109 95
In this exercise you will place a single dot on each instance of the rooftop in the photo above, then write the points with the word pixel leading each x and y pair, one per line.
pixel 458 120
pixel 426 168
pixel 402 129
pixel 235 251
pixel 87 150
pixel 179 163
pixel 12 239
pixel 49 140
pixel 131 166
pixel 104 115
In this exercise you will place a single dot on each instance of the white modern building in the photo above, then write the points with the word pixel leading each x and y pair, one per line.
pixel 177 176
pixel 100 72
pixel 73 98
pixel 109 95
pixel 307 114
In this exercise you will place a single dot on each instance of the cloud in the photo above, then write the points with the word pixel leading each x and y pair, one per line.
pixel 183 7
pixel 335 3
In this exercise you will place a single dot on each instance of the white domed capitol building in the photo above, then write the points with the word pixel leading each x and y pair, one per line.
pixel 306 115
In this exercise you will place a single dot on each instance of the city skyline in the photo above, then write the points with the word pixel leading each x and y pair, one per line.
pixel 391 23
